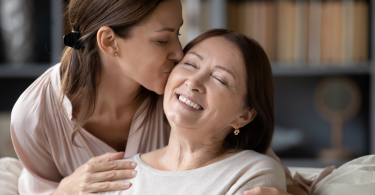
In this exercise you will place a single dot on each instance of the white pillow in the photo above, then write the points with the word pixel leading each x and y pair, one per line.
pixel 10 170
pixel 354 177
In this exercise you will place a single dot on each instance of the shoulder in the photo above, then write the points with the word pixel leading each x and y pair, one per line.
pixel 28 110
pixel 257 162
pixel 259 170
pixel 258 158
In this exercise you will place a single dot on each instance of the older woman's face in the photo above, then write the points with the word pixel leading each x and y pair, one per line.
pixel 207 89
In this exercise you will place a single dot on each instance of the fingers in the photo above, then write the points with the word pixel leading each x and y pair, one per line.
pixel 110 176
pixel 264 191
pixel 107 157
pixel 105 186
pixel 110 165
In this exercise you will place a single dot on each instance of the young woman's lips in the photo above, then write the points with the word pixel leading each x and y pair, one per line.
pixel 188 103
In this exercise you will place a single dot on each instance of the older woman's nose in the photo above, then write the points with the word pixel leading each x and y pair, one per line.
pixel 195 83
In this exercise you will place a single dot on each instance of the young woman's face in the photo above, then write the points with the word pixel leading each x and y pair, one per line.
pixel 150 53
pixel 206 90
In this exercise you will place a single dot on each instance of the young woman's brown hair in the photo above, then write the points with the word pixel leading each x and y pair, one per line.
pixel 257 135
pixel 80 69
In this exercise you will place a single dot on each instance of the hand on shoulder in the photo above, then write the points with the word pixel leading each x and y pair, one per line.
pixel 292 190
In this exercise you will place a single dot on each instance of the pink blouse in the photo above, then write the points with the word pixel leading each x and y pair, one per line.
pixel 41 136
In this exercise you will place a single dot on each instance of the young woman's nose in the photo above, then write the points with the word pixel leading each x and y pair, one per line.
pixel 176 53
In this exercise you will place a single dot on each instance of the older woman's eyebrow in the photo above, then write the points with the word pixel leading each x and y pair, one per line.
pixel 225 69
pixel 216 66
pixel 199 56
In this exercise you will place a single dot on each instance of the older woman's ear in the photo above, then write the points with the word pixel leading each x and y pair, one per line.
pixel 247 116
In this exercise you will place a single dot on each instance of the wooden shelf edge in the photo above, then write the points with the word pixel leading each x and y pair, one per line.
pixel 280 69
pixel 23 71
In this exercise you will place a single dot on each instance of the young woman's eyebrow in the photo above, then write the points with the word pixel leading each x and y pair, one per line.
pixel 168 29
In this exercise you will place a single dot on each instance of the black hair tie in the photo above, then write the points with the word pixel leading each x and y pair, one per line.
pixel 71 40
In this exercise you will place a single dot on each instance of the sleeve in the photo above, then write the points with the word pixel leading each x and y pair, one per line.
pixel 288 175
pixel 31 144
pixel 266 173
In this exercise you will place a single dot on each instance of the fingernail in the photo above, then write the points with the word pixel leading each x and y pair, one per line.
pixel 249 192
pixel 127 184
pixel 134 173
pixel 133 164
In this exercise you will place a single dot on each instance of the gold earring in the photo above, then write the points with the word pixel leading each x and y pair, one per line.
pixel 115 53
pixel 236 131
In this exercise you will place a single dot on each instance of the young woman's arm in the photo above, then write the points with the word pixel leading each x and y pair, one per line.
pixel 96 176
pixel 292 190
pixel 45 166
pixel 41 176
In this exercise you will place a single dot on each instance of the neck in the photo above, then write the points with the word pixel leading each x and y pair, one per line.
pixel 116 93
pixel 184 154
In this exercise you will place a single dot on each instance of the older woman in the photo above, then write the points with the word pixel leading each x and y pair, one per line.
pixel 219 101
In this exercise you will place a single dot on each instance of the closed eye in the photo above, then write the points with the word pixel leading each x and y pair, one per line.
pixel 221 81
pixel 187 63
pixel 162 42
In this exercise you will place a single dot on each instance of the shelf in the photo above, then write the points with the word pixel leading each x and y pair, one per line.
pixel 312 163
pixel 280 69
pixel 35 70
pixel 23 71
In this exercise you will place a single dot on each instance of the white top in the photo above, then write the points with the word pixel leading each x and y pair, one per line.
pixel 234 175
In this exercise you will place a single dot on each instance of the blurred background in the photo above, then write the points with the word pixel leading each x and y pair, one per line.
pixel 320 52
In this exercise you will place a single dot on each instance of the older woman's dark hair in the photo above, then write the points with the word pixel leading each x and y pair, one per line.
pixel 257 135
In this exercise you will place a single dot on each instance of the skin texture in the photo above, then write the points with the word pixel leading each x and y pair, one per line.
pixel 197 136
pixel 144 59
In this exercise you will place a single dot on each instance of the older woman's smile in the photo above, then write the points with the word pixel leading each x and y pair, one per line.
pixel 187 101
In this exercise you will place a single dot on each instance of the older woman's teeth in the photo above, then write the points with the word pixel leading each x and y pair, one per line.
pixel 189 103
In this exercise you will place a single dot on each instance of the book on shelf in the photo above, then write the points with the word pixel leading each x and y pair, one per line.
pixel 286 32
pixel 233 15
pixel 257 22
pixel 360 31
pixel 311 32
pixel 205 15
pixel 314 26
pixel 301 30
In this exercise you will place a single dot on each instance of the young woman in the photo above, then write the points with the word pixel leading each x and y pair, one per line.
pixel 102 98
